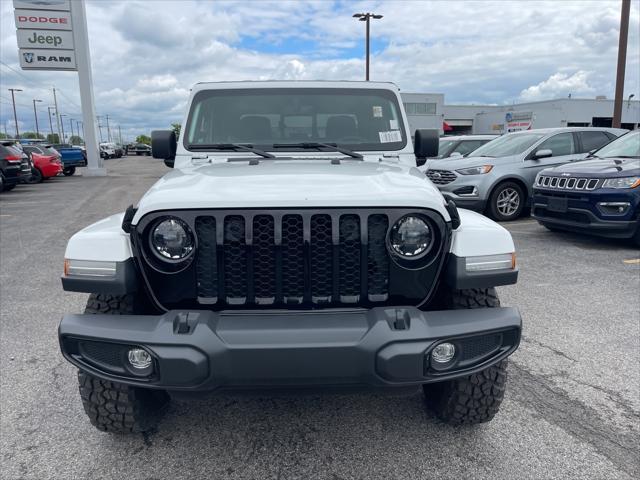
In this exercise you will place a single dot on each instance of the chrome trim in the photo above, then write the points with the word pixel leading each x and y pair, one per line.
pixel 574 183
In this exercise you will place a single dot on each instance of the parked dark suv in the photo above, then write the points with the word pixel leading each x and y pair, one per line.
pixel 14 166
pixel 598 196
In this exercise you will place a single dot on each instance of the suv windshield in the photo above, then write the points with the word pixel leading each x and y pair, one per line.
pixel 626 146
pixel 357 119
pixel 510 144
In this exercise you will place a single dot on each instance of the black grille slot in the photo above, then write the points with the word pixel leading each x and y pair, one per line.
pixel 235 260
pixel 321 259
pixel 292 259
pixel 207 263
pixel 377 258
pixel 349 259
pixel 264 259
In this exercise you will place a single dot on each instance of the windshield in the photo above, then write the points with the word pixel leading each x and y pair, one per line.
pixel 510 144
pixel 445 147
pixel 626 146
pixel 358 119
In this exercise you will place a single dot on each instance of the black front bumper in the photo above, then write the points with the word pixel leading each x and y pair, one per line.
pixel 582 220
pixel 204 350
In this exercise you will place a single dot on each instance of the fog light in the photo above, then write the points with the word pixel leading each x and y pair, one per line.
pixel 443 352
pixel 139 358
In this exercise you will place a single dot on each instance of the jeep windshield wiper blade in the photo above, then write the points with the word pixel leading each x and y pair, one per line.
pixel 317 145
pixel 236 147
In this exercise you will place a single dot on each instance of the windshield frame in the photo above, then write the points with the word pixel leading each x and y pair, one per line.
pixel 386 94
pixel 620 139
pixel 540 136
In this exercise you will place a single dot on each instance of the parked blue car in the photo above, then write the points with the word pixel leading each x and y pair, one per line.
pixel 597 196
pixel 71 157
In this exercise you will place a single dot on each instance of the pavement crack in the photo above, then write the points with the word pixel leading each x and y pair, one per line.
pixel 581 421
pixel 548 347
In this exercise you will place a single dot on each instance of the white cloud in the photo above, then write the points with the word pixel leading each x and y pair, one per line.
pixel 146 55
pixel 559 85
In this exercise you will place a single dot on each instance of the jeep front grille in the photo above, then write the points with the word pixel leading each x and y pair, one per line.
pixel 273 262
pixel 441 177
pixel 282 258
pixel 564 183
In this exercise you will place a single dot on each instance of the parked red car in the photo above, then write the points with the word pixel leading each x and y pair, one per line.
pixel 45 166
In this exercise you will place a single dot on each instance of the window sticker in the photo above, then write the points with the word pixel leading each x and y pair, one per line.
pixel 377 111
pixel 390 136
pixel 393 124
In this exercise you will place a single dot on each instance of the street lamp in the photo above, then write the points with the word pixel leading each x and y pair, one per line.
pixel 51 123
pixel 60 115
pixel 35 114
pixel 15 115
pixel 71 125
pixel 366 17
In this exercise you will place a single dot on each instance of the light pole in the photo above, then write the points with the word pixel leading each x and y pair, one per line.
pixel 60 115
pixel 108 129
pixel 622 59
pixel 71 126
pixel 366 17
pixel 15 115
pixel 99 127
pixel 80 125
pixel 50 122
pixel 35 114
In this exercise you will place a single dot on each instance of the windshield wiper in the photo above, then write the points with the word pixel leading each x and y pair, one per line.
pixel 236 147
pixel 318 146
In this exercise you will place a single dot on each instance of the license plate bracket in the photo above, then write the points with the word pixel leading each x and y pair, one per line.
pixel 559 205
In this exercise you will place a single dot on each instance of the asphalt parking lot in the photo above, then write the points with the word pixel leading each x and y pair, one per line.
pixel 572 408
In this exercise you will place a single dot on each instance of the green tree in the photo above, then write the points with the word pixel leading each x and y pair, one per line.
pixel 176 128
pixel 143 139
pixel 3 136
pixel 53 138
pixel 31 135
pixel 76 140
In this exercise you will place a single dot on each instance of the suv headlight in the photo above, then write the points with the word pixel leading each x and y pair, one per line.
pixel 479 170
pixel 411 237
pixel 622 182
pixel 172 239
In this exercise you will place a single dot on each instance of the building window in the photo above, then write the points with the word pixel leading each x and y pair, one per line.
pixel 420 108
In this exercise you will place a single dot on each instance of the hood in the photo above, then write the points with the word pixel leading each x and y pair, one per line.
pixel 292 184
pixel 457 163
pixel 598 168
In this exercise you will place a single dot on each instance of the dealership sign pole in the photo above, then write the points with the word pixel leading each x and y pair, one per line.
pixel 52 35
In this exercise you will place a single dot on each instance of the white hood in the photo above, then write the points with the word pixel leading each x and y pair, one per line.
pixel 292 183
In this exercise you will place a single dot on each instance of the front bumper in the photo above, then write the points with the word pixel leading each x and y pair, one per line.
pixel 204 350
pixel 51 169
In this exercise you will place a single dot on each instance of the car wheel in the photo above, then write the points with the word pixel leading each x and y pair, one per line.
pixel 69 171
pixel 507 202
pixel 36 176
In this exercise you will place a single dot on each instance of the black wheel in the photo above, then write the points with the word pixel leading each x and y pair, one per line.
pixel 36 176
pixel 69 171
pixel 475 398
pixel 507 202
pixel 112 406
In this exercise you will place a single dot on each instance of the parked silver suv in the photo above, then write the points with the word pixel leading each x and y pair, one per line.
pixel 498 177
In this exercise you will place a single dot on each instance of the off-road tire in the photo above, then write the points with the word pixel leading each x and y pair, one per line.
pixel 68 171
pixel 494 210
pixel 475 398
pixel 112 406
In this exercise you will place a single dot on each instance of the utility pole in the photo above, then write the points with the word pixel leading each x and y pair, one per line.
pixel 99 126
pixel 71 125
pixel 15 115
pixel 62 125
pixel 50 123
pixel 55 102
pixel 119 135
pixel 81 126
pixel 366 17
pixel 35 114
pixel 108 129
pixel 622 60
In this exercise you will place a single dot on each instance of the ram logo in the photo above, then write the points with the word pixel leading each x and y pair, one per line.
pixel 28 57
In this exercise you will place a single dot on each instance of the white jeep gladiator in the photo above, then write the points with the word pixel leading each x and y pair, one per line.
pixel 294 244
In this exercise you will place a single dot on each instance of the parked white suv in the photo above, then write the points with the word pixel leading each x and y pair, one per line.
pixel 293 244
pixel 498 177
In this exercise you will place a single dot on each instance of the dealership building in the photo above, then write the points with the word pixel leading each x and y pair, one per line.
pixel 428 110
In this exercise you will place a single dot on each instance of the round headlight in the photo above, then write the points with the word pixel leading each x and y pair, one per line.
pixel 411 237
pixel 172 239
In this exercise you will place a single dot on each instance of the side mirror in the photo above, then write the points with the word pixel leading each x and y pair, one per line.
pixel 456 154
pixel 164 145
pixel 544 153
pixel 426 144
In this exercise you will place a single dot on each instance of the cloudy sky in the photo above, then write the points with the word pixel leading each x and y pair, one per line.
pixel 147 54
